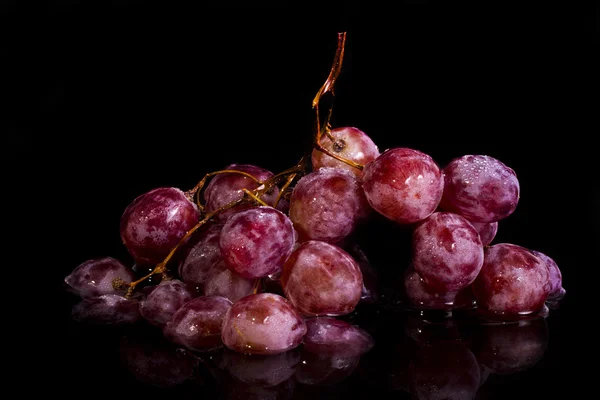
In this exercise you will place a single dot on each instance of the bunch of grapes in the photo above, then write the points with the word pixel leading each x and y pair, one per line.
pixel 262 262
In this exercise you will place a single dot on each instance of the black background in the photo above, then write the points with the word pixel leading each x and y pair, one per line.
pixel 109 101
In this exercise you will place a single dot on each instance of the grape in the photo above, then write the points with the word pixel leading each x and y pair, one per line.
pixel 164 300
pixel 256 242
pixel 445 370
pixel 155 222
pixel 404 185
pixel 513 281
pixel 350 143
pixel 110 309
pixel 510 348
pixel 322 279
pixel 480 188
pixel 197 324
pixel 328 205
pixel 447 251
pixel 487 231
pixel 221 281
pixel 263 323
pixel 327 335
pixel 228 187
pixel 200 253
pixel 262 370
pixel 151 359
pixel 422 296
pixel 554 276
pixel 95 277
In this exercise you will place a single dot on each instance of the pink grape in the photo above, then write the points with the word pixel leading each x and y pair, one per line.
pixel 95 277
pixel 421 296
pixel 447 251
pixel 350 143
pixel 222 281
pixel 404 185
pixel 197 324
pixel 327 335
pixel 487 231
pixel 513 281
pixel 228 187
pixel 200 253
pixel 554 275
pixel 256 242
pixel 480 188
pixel 322 279
pixel 263 323
pixel 155 222
pixel 164 300
pixel 328 205
pixel 108 309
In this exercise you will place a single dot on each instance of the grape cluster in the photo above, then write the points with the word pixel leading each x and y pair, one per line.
pixel 262 262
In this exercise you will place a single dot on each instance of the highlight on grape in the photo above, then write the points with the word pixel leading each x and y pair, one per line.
pixel 261 263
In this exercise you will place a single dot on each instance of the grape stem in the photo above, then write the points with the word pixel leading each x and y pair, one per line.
pixel 289 174
pixel 325 128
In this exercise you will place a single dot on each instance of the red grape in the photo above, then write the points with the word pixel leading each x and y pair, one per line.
pixel 95 277
pixel 327 335
pixel 155 222
pixel 350 143
pixel 554 276
pixel 222 281
pixel 256 242
pixel 322 279
pixel 263 323
pixel 421 296
pixel 487 231
pixel 404 185
pixel 197 324
pixel 328 205
pixel 513 281
pixel 164 300
pixel 480 188
pixel 447 251
pixel 109 309
pixel 228 187
pixel 201 252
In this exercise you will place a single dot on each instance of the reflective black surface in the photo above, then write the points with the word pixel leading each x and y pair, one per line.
pixel 115 100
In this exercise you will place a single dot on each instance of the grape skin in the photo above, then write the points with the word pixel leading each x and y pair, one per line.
pixel 403 184
pixel 447 251
pixel 95 277
pixel 222 281
pixel 421 296
pixel 109 309
pixel 487 231
pixel 555 276
pixel 328 205
pixel 263 323
pixel 322 279
pixel 357 147
pixel 480 188
pixel 155 222
pixel 328 335
pixel 200 254
pixel 255 242
pixel 197 324
pixel 164 300
pixel 228 187
pixel 513 281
